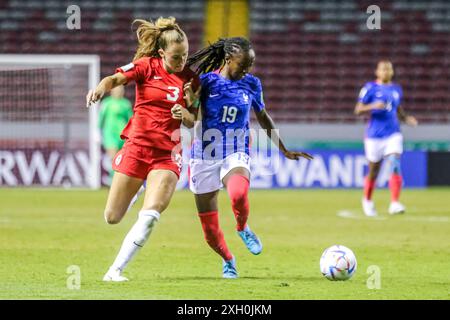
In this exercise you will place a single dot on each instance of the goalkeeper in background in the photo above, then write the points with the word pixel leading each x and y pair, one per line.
pixel 114 114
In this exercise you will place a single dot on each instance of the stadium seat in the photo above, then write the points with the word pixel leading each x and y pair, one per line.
pixel 320 66
pixel 312 57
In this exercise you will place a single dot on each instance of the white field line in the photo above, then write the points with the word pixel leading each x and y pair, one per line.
pixel 348 214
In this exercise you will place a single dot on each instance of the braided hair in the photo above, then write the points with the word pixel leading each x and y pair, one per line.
pixel 213 57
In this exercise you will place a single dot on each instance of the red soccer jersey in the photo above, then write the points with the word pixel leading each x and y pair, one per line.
pixel 157 91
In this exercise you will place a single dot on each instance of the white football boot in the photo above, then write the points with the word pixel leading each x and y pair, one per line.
pixel 114 275
pixel 396 208
pixel 369 208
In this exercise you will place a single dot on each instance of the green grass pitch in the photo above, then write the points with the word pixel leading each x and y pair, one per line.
pixel 43 232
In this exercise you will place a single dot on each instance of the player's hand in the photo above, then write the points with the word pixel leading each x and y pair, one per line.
pixel 411 121
pixel 189 95
pixel 293 155
pixel 177 112
pixel 93 96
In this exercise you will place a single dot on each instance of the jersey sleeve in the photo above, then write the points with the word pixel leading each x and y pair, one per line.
pixel 258 99
pixel 136 70
pixel 204 80
pixel 365 94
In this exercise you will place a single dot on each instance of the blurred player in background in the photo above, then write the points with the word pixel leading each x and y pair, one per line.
pixel 228 92
pixel 158 69
pixel 382 100
pixel 114 114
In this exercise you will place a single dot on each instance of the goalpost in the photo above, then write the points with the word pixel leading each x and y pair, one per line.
pixel 47 136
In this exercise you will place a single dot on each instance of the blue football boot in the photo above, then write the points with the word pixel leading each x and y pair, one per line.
pixel 250 239
pixel 229 269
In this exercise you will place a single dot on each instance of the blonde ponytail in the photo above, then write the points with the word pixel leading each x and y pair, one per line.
pixel 152 36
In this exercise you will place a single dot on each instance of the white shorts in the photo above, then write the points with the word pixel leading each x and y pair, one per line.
pixel 206 175
pixel 377 149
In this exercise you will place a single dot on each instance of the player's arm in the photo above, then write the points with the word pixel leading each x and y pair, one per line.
pixel 402 116
pixel 362 108
pixel 266 122
pixel 188 115
pixel 105 86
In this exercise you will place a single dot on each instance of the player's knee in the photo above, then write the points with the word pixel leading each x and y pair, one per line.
pixel 373 171
pixel 394 164
pixel 112 217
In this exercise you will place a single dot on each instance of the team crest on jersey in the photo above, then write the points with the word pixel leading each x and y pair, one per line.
pixel 245 96
pixel 127 67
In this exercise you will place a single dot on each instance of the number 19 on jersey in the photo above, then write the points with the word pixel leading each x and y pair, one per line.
pixel 229 114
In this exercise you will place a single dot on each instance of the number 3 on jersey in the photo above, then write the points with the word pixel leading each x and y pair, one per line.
pixel 175 93
pixel 229 114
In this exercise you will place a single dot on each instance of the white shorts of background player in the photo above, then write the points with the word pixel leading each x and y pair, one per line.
pixel 377 148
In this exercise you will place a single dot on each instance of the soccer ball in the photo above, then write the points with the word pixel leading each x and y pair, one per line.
pixel 338 263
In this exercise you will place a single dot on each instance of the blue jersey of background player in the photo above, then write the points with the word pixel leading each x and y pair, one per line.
pixel 225 115
pixel 382 99
pixel 383 122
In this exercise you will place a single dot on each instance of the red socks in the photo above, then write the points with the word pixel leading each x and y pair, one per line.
pixel 213 234
pixel 237 187
pixel 395 184
pixel 369 186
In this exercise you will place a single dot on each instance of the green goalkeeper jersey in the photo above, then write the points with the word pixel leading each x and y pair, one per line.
pixel 114 115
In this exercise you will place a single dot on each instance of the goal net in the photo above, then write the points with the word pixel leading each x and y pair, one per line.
pixel 47 136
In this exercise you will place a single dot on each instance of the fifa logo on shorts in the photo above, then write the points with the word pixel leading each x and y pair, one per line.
pixel 118 159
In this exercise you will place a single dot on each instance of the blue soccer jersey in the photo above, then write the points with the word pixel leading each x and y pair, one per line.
pixel 382 123
pixel 225 113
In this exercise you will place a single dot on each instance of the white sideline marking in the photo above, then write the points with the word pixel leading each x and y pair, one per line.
pixel 351 215
pixel 347 214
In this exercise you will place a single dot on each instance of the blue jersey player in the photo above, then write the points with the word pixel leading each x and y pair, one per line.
pixel 220 151
pixel 382 100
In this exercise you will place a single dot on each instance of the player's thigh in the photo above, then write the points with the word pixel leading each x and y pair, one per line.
pixel 237 163
pixel 394 145
pixel 161 184
pixel 374 149
pixel 204 176
pixel 206 202
pixel 374 169
pixel 237 170
pixel 122 190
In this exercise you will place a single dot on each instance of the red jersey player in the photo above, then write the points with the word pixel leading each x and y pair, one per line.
pixel 161 105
